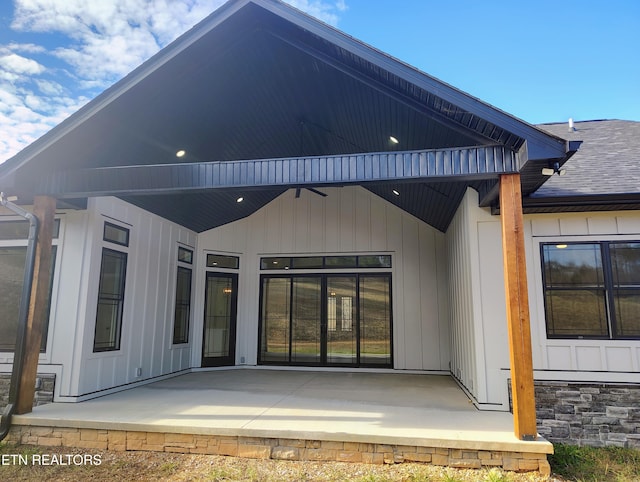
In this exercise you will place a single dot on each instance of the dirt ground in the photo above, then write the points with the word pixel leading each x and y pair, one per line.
pixel 64 464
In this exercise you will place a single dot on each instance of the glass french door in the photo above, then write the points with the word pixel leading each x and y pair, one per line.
pixel 326 320
pixel 341 346
pixel 219 338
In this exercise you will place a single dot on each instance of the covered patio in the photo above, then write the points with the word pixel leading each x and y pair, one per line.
pixel 292 414
pixel 256 101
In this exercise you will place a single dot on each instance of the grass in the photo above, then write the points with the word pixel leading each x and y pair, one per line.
pixel 590 464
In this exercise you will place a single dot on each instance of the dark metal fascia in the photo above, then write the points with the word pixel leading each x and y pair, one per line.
pixel 455 164
pixel 580 203
pixel 532 203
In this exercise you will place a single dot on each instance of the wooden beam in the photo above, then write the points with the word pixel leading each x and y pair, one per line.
pixel 515 279
pixel 44 210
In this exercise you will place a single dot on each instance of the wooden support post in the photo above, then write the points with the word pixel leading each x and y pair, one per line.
pixel 44 209
pixel 515 279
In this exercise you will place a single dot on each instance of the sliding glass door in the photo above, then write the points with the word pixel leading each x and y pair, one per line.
pixel 306 333
pixel 326 320
pixel 375 320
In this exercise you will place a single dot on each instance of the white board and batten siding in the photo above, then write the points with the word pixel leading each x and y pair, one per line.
pixel 350 220
pixel 146 349
pixel 476 295
pixel 480 350
pixel 583 360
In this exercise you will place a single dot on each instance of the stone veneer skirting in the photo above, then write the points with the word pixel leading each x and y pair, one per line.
pixel 595 414
pixel 44 389
pixel 275 448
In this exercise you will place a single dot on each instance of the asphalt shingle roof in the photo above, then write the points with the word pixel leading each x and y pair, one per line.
pixel 608 161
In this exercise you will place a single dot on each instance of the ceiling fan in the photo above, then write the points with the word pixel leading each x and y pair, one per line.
pixel 315 191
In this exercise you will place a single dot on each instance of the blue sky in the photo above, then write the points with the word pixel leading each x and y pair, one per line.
pixel 542 60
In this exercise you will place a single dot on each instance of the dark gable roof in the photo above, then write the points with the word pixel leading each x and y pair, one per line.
pixel 604 174
pixel 258 79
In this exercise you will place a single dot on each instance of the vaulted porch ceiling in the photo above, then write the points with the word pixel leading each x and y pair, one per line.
pixel 259 80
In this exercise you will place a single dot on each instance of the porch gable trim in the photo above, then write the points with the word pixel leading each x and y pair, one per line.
pixel 461 164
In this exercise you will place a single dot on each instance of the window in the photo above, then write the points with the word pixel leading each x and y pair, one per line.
pixel 113 270
pixel 592 289
pixel 110 300
pixel 183 298
pixel 13 252
pixel 326 262
pixel 116 234
pixel 20 229
pixel 220 261
pixel 185 255
pixel 328 319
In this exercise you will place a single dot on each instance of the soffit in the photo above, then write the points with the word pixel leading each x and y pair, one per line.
pixel 265 81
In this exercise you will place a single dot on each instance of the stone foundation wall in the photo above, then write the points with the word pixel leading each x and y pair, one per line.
pixel 588 414
pixel 276 448
pixel 44 389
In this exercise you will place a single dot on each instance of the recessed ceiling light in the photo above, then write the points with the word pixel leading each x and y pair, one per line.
pixel 240 199
pixel 561 246
pixel 393 140
pixel 181 153
pixel 397 193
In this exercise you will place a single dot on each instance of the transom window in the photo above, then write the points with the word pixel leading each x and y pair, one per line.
pixel 326 262
pixel 222 261
pixel 19 229
pixel 116 234
pixel 592 289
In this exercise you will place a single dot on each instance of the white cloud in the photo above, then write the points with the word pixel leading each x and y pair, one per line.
pixel 101 42
pixel 49 88
pixel 20 65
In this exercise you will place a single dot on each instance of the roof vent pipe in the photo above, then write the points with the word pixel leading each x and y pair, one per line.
pixel 571 128
pixel 19 352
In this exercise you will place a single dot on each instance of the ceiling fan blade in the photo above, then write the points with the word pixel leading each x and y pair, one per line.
pixel 315 191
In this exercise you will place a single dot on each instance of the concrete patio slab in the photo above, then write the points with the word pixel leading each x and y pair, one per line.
pixel 383 408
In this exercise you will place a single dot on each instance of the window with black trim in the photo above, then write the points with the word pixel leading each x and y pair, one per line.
pixel 185 255
pixel 222 261
pixel 116 234
pixel 110 300
pixel 326 262
pixel 113 272
pixel 183 298
pixel 13 252
pixel 592 289
pixel 326 319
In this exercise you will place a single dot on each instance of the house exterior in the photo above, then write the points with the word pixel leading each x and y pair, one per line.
pixel 267 191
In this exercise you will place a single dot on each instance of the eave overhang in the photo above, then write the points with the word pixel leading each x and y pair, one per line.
pixel 260 80
pixel 582 203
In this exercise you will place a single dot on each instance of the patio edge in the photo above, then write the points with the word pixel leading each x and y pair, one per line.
pixel 458 454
